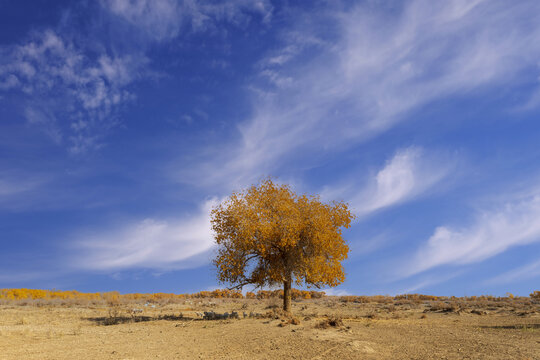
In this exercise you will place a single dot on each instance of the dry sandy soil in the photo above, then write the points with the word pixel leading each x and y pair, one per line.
pixel 175 331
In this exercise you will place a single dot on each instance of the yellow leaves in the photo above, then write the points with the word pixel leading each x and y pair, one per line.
pixel 295 294
pixel 34 294
pixel 267 233
pixel 110 297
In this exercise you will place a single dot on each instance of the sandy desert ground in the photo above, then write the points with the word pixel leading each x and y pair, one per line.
pixel 396 330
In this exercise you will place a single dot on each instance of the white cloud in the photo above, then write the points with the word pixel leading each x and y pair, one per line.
pixel 533 100
pixel 83 90
pixel 525 272
pixel 408 174
pixel 163 19
pixel 276 79
pixel 203 14
pixel 148 244
pixel 9 81
pixel 48 61
pixel 429 281
pixel 70 95
pixel 160 18
pixel 371 72
pixel 513 223
pixel 335 292
pixel 14 184
pixel 45 121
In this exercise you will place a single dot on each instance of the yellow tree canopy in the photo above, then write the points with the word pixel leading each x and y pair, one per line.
pixel 267 235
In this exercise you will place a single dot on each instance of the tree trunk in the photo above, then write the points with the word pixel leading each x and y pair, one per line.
pixel 287 296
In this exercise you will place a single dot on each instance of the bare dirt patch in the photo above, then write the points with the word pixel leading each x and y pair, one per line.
pixel 351 330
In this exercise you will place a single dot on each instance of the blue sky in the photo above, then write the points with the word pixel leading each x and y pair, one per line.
pixel 122 122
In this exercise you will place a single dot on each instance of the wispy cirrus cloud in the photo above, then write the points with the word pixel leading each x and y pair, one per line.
pixel 50 189
pixel 163 20
pixel 150 243
pixel 162 244
pixel 159 19
pixel 408 174
pixel 13 184
pixel 528 271
pixel 511 223
pixel 74 90
pixel 429 280
pixel 334 86
pixel 69 94
pixel 336 292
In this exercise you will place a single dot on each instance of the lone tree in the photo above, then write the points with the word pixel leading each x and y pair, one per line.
pixel 268 235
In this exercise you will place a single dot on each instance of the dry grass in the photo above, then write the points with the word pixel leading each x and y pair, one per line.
pixel 333 321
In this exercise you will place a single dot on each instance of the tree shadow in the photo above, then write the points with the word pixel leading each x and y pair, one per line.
pixel 513 327
pixel 115 320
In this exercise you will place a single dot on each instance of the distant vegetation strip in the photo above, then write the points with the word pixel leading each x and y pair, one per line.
pixel 37 294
